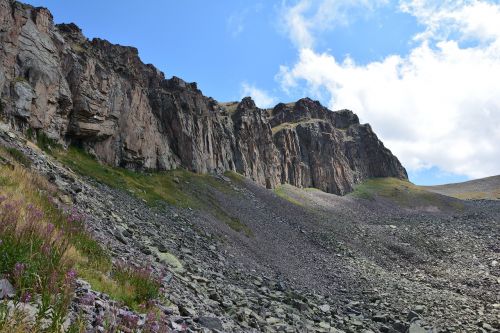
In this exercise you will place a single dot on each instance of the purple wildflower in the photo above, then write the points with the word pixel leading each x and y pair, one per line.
pixel 26 297
pixel 19 269
pixel 130 320
pixel 71 277
pixel 50 228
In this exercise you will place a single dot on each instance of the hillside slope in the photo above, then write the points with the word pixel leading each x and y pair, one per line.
pixel 236 257
pixel 484 188
pixel 100 96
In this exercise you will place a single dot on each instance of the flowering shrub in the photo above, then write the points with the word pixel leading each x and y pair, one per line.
pixel 42 241
pixel 32 256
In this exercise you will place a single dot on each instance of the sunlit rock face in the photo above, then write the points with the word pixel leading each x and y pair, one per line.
pixel 102 97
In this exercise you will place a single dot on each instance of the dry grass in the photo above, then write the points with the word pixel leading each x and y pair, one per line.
pixel 479 189
pixel 403 193
pixel 230 107
pixel 14 320
pixel 293 125
pixel 44 243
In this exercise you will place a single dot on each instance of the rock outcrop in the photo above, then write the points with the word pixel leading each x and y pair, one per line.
pixel 104 98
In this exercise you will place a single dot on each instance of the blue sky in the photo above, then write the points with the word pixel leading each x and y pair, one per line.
pixel 383 59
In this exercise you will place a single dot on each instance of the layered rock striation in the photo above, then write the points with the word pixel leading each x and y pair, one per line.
pixel 104 98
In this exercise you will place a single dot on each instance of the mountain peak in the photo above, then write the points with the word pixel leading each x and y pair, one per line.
pixel 101 96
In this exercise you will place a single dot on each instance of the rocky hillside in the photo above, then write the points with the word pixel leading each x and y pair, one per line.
pixel 101 97
pixel 232 256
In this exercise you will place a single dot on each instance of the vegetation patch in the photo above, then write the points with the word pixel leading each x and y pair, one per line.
pixel 20 79
pixel 139 285
pixel 230 107
pixel 78 47
pixel 179 187
pixel 234 176
pixel 292 125
pixel 41 246
pixel 480 189
pixel 45 143
pixel 478 195
pixel 19 156
pixel 403 193
pixel 44 246
pixel 34 258
pixel 284 192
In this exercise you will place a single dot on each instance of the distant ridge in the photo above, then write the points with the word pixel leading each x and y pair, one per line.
pixel 484 188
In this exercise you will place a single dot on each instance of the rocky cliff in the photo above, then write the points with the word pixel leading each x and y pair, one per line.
pixel 102 97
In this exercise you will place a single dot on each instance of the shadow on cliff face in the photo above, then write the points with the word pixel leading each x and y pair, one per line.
pixel 179 187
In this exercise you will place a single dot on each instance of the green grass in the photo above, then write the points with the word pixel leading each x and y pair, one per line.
pixel 234 176
pixel 402 193
pixel 179 187
pixel 385 187
pixel 478 195
pixel 284 192
pixel 19 156
pixel 43 242
pixel 45 143
pixel 20 79
pixel 139 283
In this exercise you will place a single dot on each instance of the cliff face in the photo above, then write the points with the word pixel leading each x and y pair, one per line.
pixel 102 97
pixel 328 150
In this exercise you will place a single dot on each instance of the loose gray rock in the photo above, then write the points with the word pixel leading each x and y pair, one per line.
pixel 6 289
pixel 211 323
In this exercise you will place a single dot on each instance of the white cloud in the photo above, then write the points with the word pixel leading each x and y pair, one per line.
pixel 437 106
pixel 307 17
pixel 236 22
pixel 261 98
pixel 472 19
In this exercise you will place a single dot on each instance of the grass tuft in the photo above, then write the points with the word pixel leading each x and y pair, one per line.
pixel 140 283
pixel 283 191
pixel 19 156
pixel 45 143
